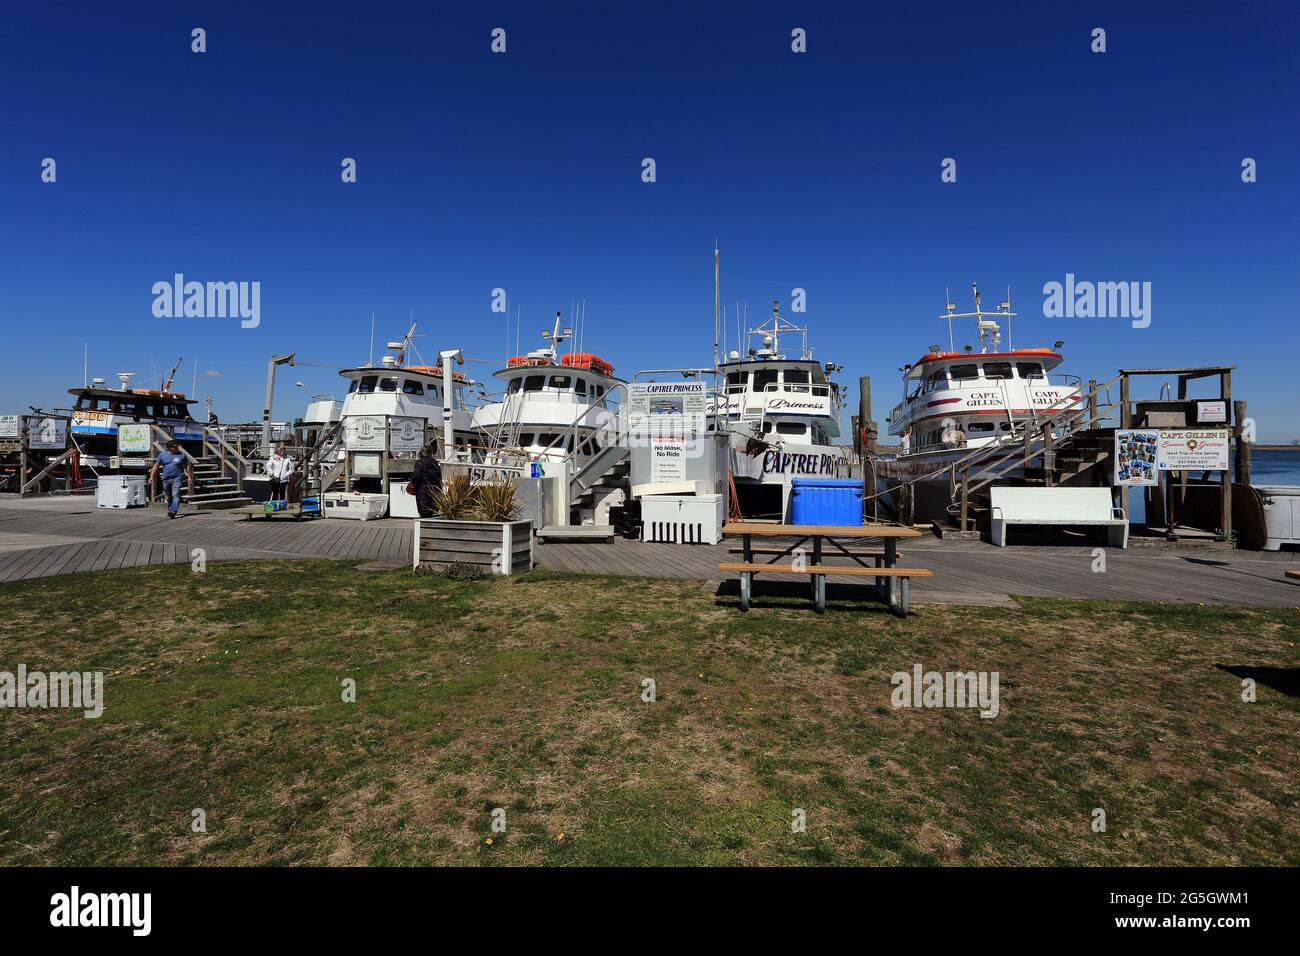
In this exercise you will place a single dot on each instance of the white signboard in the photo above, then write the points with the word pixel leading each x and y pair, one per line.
pixel 133 439
pixel 688 401
pixel 1190 449
pixel 1213 413
pixel 47 433
pixel 8 426
pixel 667 459
pixel 365 432
pixel 1136 455
pixel 405 434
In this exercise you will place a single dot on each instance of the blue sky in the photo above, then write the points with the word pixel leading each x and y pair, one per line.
pixel 523 171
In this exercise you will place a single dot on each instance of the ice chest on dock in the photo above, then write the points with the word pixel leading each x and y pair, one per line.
pixel 1281 514
pixel 833 501
pixel 116 491
pixel 355 505
pixel 682 519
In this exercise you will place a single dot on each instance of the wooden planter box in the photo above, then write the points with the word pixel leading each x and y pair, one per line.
pixel 439 543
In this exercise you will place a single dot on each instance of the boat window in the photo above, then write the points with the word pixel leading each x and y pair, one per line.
pixel 1005 426
pixel 388 384
pixel 997 370
pixel 964 373
pixel 796 376
pixel 935 382
pixel 767 428
pixel 1029 369
pixel 412 387
pixel 979 427
pixel 367 384
pixel 514 385
pixel 534 383
pixel 569 443
pixel 736 381
pixel 763 378
pixel 525 439
pixel 580 386
pixel 562 382
pixel 791 428
pixel 600 390
pixel 546 439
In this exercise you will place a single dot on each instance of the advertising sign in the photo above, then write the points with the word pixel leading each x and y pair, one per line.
pixel 1190 449
pixel 405 434
pixel 685 402
pixel 133 439
pixel 365 432
pixel 8 426
pixel 47 434
pixel 1136 456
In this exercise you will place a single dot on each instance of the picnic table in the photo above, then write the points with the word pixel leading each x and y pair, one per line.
pixel 826 541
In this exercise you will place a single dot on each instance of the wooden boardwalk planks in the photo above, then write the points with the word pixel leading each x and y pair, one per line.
pixel 47 541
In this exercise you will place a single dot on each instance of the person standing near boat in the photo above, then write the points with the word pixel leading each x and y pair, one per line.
pixel 426 479
pixel 279 469
pixel 175 465
pixel 906 441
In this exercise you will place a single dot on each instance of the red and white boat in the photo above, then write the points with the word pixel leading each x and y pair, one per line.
pixel 956 401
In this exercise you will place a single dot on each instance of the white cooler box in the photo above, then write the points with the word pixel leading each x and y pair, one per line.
pixel 400 504
pixel 1281 515
pixel 354 504
pixel 682 519
pixel 120 491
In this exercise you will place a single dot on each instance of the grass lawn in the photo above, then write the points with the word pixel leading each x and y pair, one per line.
pixel 224 692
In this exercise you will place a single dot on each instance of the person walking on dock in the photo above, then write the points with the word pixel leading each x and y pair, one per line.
pixel 175 465
pixel 426 479
pixel 279 468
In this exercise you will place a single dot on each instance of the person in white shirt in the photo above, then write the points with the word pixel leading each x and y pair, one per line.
pixel 279 468
pixel 907 441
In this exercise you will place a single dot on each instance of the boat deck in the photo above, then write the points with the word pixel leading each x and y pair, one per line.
pixel 40 537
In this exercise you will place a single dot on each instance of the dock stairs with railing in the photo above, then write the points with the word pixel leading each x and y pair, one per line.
pixel 214 488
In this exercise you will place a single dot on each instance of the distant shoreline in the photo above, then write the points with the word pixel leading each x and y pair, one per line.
pixel 1259 447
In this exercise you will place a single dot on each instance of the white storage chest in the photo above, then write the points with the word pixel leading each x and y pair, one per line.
pixel 120 491
pixel 682 519
pixel 354 504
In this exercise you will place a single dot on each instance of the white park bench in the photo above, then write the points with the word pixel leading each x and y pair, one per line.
pixel 1056 506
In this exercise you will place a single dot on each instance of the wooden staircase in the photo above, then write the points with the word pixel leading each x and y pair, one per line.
pixel 214 489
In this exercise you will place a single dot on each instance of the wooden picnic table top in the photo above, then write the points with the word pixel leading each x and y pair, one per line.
pixel 763 530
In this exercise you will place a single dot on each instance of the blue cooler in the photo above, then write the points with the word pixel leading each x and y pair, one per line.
pixel 834 501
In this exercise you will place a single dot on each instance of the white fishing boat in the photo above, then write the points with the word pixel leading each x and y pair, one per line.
pixel 956 401
pixel 555 406
pixel 782 414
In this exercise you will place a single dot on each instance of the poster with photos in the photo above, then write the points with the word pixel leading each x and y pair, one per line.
pixel 1136 451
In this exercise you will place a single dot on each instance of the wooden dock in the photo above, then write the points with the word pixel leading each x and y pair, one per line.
pixel 69 535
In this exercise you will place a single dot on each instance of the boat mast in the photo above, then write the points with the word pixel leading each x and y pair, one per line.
pixel 715 303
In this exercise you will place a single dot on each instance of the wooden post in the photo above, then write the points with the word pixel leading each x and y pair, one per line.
pixel 1243 447
pixel 1125 421
pixel 1049 457
pixel 864 436
pixel 1225 485
pixel 1092 403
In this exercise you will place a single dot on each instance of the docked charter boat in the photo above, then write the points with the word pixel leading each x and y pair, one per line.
pixel 556 405
pixel 98 410
pixel 956 401
pixel 781 412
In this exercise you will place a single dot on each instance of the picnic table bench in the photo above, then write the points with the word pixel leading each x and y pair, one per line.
pixel 826 541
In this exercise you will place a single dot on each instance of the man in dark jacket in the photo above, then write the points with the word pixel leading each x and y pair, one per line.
pixel 426 479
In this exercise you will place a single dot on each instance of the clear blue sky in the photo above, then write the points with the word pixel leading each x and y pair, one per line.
pixel 522 171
